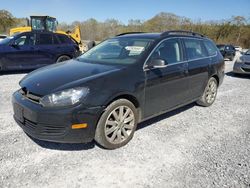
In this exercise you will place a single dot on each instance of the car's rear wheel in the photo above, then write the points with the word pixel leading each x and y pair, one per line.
pixel 62 58
pixel 209 94
pixel 117 124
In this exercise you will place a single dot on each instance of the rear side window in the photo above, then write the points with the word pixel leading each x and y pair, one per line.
pixel 211 48
pixel 194 49
pixel 64 39
pixel 45 39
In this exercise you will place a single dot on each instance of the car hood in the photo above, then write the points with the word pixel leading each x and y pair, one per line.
pixel 64 75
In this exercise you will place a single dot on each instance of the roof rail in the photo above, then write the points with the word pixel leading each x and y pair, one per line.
pixel 181 32
pixel 128 33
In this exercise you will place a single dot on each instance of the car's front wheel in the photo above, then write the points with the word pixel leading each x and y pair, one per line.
pixel 117 124
pixel 209 94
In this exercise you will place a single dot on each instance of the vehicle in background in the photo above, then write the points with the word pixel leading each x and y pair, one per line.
pixel 3 37
pixel 242 64
pixel 238 48
pixel 48 24
pixel 32 50
pixel 124 80
pixel 227 50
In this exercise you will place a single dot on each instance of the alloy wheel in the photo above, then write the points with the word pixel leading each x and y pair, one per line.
pixel 211 91
pixel 119 124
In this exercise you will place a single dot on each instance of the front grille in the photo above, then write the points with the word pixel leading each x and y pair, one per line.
pixel 247 63
pixel 246 69
pixel 45 130
pixel 52 130
pixel 31 126
pixel 29 95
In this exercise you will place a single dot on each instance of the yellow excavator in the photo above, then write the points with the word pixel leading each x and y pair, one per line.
pixel 47 23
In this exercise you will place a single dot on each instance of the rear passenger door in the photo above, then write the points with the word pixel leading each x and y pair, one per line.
pixel 46 49
pixel 198 66
pixel 166 87
pixel 67 47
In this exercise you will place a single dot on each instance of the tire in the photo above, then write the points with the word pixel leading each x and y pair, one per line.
pixel 62 58
pixel 209 94
pixel 112 132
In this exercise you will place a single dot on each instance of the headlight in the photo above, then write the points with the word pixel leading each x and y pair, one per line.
pixel 64 98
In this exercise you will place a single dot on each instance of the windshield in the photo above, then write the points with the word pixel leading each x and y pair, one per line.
pixel 117 51
pixel 6 40
pixel 220 47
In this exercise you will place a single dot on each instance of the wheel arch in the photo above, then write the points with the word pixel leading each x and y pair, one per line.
pixel 60 55
pixel 129 97
pixel 217 78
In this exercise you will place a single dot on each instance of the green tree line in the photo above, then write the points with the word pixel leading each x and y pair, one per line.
pixel 235 30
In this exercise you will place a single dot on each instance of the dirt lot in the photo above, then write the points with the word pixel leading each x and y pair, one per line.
pixel 189 147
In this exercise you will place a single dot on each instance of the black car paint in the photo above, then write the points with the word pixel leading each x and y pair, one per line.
pixel 153 91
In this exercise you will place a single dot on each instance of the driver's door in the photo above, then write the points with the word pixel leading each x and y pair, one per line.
pixel 166 87
pixel 20 54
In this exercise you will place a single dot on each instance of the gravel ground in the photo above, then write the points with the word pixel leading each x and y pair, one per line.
pixel 189 147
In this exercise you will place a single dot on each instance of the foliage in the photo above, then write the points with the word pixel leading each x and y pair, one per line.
pixel 235 30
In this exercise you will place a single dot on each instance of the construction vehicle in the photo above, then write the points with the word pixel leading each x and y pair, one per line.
pixel 47 23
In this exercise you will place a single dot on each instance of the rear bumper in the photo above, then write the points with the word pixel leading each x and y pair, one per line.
pixel 55 124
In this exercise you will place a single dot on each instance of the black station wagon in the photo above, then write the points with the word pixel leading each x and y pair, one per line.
pixel 107 91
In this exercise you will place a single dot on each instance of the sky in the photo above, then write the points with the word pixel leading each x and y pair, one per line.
pixel 124 10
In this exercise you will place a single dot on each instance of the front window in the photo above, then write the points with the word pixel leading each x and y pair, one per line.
pixel 117 51
pixel 248 52
pixel 37 24
pixel 169 51
pixel 25 39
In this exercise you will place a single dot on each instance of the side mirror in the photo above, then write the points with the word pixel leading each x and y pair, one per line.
pixel 157 63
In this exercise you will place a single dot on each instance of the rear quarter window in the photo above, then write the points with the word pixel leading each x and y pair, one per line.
pixel 194 49
pixel 211 48
pixel 64 39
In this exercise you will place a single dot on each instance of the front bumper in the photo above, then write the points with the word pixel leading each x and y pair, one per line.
pixel 241 68
pixel 55 124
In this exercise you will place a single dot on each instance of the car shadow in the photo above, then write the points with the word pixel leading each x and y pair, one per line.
pixel 15 72
pixel 156 119
pixel 232 74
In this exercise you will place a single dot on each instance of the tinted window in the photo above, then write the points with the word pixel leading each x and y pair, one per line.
pixel 231 47
pixel 45 39
pixel 221 47
pixel 211 48
pixel 25 39
pixel 194 49
pixel 169 51
pixel 64 39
